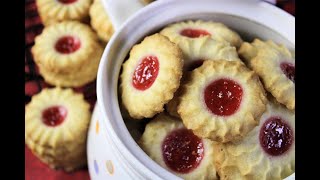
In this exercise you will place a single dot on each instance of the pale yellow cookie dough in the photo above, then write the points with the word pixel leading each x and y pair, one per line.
pixel 146 103
pixel 196 115
pixel 265 58
pixel 246 159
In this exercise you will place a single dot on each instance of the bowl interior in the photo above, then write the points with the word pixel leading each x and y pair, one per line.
pixel 150 20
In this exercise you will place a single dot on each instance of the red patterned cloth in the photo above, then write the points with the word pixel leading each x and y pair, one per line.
pixel 34 83
pixel 36 170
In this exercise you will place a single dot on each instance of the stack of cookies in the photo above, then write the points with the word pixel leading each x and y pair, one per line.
pixel 56 128
pixel 67 53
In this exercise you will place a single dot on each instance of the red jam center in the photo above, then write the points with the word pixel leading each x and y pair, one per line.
pixel 182 151
pixel 146 73
pixel 276 136
pixel 55 115
pixel 194 33
pixel 223 97
pixel 195 64
pixel 67 1
pixel 289 70
pixel 68 44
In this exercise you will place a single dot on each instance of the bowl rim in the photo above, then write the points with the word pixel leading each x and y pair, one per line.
pixel 107 95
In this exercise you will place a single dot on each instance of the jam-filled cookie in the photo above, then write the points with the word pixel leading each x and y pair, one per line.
pixel 195 29
pixel 52 11
pixel 223 101
pixel 177 149
pixel 275 65
pixel 150 76
pixel 267 152
pixel 67 54
pixel 56 124
pixel 100 21
pixel 195 51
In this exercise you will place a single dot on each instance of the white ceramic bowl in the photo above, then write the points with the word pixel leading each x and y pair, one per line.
pixel 112 152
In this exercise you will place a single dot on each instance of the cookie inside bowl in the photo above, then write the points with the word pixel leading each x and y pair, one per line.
pixel 216 46
pixel 118 52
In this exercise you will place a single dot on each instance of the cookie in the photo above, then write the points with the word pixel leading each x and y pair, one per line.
pixel 223 101
pixel 196 50
pixel 100 21
pixel 66 160
pixel 56 125
pixel 248 51
pixel 172 105
pixel 150 76
pixel 67 54
pixel 177 149
pixel 195 29
pixel 267 152
pixel 52 11
pixel 84 75
pixel 65 46
pixel 275 65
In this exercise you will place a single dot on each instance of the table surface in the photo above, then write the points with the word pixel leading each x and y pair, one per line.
pixel 34 168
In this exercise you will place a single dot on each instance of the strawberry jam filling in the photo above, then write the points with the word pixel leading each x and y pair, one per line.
pixel 146 73
pixel 67 1
pixel 68 44
pixel 182 151
pixel 223 97
pixel 54 116
pixel 289 70
pixel 195 64
pixel 194 33
pixel 276 136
